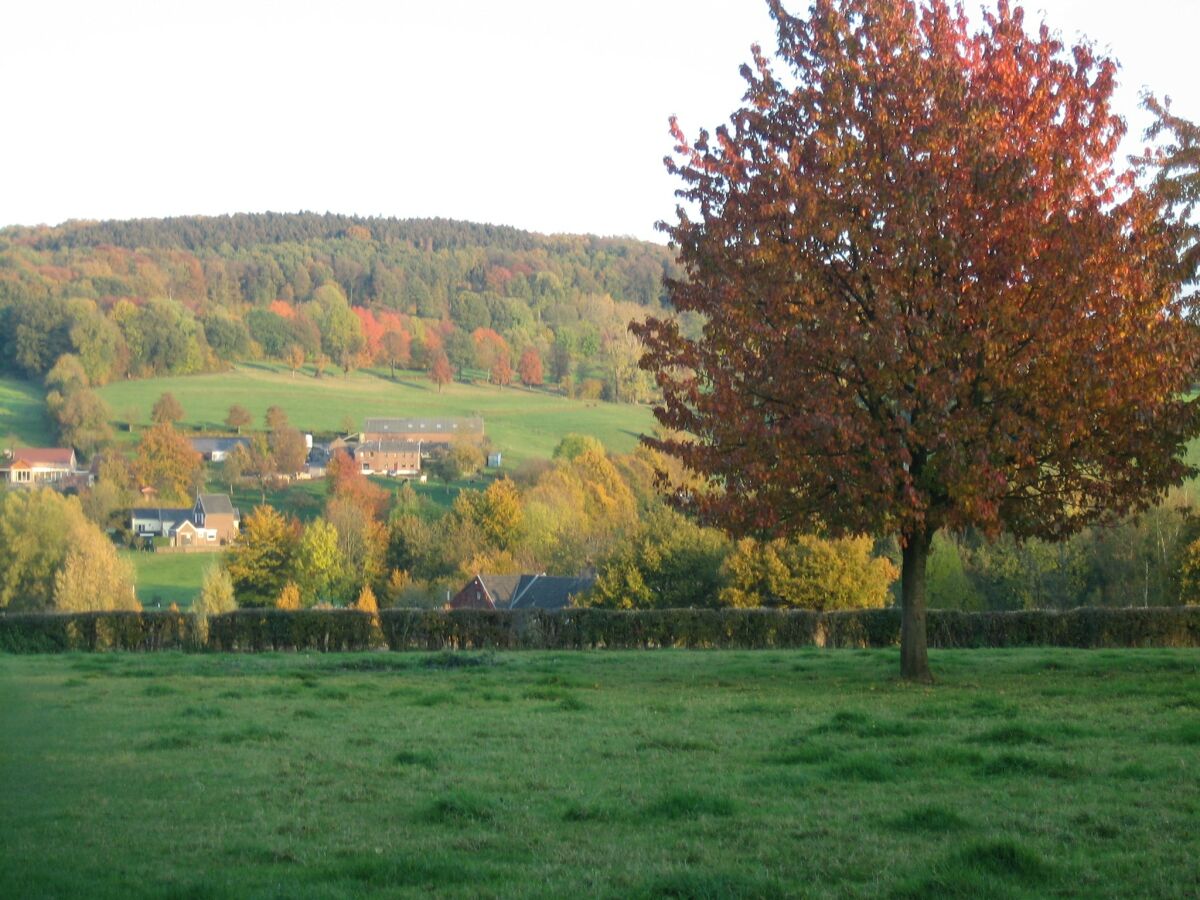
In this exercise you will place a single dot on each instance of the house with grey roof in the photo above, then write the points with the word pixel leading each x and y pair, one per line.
pixel 521 592
pixel 216 449
pixel 210 523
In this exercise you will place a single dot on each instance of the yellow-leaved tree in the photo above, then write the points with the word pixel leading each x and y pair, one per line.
pixel 53 558
pixel 807 572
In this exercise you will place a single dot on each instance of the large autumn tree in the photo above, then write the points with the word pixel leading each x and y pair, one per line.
pixel 930 299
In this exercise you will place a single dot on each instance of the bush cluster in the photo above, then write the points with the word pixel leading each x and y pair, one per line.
pixel 327 630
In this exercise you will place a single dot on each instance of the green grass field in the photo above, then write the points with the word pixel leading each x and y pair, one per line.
pixel 655 774
pixel 165 578
pixel 23 420
pixel 522 424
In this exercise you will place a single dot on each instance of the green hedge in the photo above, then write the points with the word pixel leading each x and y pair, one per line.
pixel 584 629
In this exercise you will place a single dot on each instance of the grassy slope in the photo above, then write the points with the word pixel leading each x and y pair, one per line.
pixel 166 578
pixel 22 414
pixel 521 423
pixel 1022 773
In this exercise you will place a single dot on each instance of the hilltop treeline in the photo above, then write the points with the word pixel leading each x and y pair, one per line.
pixel 173 296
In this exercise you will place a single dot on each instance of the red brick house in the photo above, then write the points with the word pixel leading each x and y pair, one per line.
pixel 398 458
pixel 217 517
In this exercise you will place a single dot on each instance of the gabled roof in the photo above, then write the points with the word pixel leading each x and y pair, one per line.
pixel 448 426
pixel 549 591
pixel 216 504
pixel 534 591
pixel 217 444
pixel 52 456
pixel 160 514
pixel 500 588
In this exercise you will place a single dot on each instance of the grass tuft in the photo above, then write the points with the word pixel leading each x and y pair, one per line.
pixel 421 758
pixel 460 808
pixel 385 872
pixel 932 819
pixel 862 767
pixel 170 742
pixel 1016 764
pixel 1009 735
pixel 450 659
pixel 437 698
pixel 251 734
pixel 202 711
pixel 1005 858
pixel 688 805
pixel 859 724
pixel 694 884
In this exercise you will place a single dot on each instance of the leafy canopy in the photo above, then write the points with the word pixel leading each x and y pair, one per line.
pixel 930 298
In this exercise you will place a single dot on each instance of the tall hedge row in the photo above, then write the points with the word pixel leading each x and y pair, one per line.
pixel 586 629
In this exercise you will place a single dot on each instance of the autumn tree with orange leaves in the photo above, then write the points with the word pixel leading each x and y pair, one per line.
pixel 530 367
pixel 440 371
pixel 931 298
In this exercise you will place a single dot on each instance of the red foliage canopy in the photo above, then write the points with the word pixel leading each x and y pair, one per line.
pixel 930 299
pixel 530 367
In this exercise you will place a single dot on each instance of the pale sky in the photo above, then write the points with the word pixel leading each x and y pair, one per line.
pixel 549 115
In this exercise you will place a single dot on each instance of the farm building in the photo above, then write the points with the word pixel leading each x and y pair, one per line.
pixel 521 592
pixel 216 449
pixel 397 458
pixel 430 432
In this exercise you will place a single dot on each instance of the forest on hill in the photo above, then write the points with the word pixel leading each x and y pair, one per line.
pixel 182 295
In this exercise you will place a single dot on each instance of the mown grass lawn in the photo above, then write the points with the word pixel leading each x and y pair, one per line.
pixel 683 774
pixel 523 424
pixel 165 578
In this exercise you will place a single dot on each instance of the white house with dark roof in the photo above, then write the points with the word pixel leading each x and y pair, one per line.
pixel 217 449
pixel 212 522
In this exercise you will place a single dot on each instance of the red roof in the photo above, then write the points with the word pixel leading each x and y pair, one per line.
pixel 45 455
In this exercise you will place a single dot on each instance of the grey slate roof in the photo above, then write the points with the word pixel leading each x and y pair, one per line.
pixel 536 591
pixel 159 515
pixel 448 426
pixel 389 447
pixel 501 588
pixel 206 445
pixel 216 504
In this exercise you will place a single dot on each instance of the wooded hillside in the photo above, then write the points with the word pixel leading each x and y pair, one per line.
pixel 158 296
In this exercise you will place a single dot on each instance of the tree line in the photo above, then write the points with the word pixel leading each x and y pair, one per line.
pixel 176 296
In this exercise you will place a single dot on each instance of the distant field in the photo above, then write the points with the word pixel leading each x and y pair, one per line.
pixel 22 414
pixel 1027 773
pixel 521 423
pixel 165 578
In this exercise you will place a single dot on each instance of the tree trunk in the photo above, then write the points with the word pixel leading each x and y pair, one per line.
pixel 914 651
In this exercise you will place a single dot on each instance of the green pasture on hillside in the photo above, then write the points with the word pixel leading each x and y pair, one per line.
pixel 1026 773
pixel 522 423
pixel 23 420
pixel 165 578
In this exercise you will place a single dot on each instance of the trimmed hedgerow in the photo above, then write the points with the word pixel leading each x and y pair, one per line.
pixel 585 629
pixel 56 632
pixel 302 629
